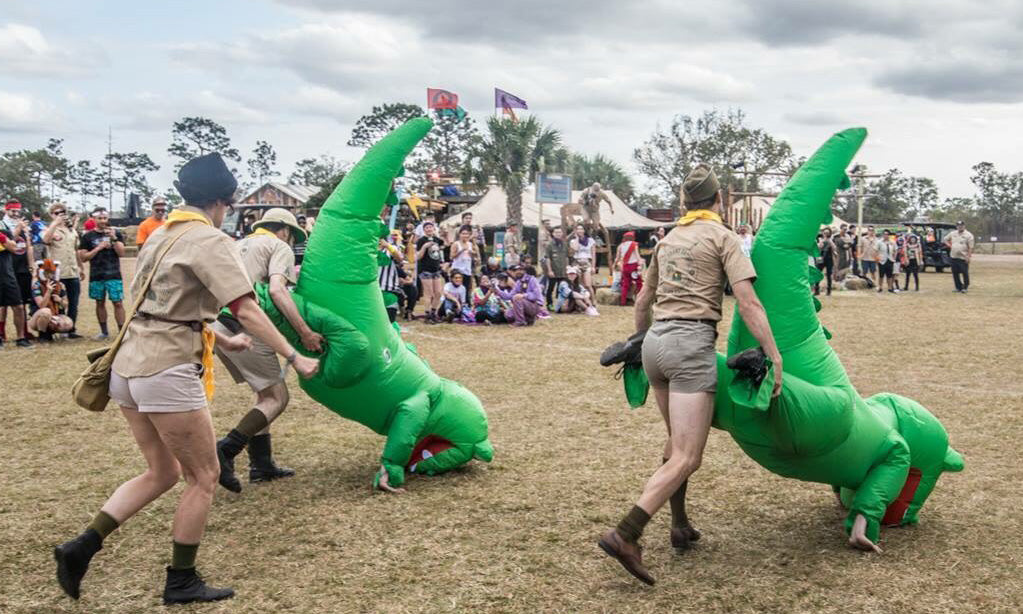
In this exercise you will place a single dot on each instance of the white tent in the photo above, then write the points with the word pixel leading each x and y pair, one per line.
pixel 491 211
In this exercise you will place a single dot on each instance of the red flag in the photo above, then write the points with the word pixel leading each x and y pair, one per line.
pixel 441 99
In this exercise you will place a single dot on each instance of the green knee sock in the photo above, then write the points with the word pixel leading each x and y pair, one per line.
pixel 104 524
pixel 253 422
pixel 631 527
pixel 184 556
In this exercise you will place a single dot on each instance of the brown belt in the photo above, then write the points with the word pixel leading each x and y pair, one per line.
pixel 195 325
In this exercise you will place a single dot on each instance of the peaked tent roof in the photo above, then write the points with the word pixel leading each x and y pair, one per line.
pixel 491 211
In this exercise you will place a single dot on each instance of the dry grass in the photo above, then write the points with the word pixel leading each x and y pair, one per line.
pixel 519 535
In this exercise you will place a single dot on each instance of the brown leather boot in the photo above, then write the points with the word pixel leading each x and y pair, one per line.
pixel 682 538
pixel 628 554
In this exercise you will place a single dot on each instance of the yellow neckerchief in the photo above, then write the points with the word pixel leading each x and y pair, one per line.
pixel 261 231
pixel 699 214
pixel 208 338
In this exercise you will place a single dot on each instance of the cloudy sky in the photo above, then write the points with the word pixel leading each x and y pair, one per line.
pixel 939 84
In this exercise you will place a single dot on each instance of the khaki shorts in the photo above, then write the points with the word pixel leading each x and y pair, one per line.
pixel 680 355
pixel 257 366
pixel 173 390
pixel 583 266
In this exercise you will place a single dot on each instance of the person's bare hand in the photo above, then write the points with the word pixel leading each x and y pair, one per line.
pixel 81 275
pixel 858 536
pixel 236 343
pixel 776 361
pixel 306 367
pixel 384 486
pixel 312 341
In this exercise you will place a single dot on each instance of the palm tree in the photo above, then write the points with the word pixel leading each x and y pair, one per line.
pixel 514 152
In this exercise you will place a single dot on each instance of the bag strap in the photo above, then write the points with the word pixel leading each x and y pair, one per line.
pixel 145 287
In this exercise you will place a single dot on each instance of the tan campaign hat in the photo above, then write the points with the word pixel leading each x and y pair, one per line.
pixel 282 216
pixel 700 184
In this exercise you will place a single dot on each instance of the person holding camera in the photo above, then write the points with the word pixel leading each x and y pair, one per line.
pixel 61 240
pixel 103 248
pixel 50 299
pixel 23 263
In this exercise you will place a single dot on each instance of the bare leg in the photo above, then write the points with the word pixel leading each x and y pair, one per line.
pixel 101 312
pixel 272 402
pixel 189 436
pixel 119 314
pixel 20 328
pixel 689 423
pixel 161 475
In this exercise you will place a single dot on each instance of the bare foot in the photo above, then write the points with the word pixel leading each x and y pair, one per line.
pixel 858 536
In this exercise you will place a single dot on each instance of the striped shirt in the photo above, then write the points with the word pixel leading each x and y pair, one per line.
pixel 388 276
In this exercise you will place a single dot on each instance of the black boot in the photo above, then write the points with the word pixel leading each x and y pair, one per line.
pixel 261 463
pixel 186 586
pixel 227 449
pixel 73 560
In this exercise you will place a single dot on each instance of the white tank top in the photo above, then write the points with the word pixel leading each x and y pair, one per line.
pixel 463 263
pixel 584 252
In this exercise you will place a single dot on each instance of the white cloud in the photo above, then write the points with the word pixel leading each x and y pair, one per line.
pixel 23 113
pixel 25 51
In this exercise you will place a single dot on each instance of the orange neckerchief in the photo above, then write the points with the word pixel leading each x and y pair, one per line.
pixel 208 338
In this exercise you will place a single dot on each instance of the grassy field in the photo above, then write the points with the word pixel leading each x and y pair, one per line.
pixel 519 535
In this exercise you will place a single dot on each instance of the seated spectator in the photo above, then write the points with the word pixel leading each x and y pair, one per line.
pixel 487 306
pixel 525 296
pixel 493 266
pixel 49 302
pixel 454 298
pixel 572 296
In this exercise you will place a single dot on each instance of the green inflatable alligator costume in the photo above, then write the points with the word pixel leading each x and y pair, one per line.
pixel 883 454
pixel 368 374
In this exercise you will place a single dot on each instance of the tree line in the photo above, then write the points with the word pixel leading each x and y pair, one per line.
pixel 512 153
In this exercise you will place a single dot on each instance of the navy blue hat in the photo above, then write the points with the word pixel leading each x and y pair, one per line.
pixel 205 179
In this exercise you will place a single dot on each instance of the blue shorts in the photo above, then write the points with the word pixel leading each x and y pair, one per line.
pixel 98 290
pixel 869 266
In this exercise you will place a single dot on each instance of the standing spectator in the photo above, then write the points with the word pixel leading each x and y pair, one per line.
pixel 61 240
pixel 478 236
pixel 154 221
pixel 573 297
pixel 555 262
pixel 428 218
pixel 657 236
pixel 463 255
pixel 886 261
pixel 525 296
pixel 299 247
pixel 581 249
pixel 37 227
pixel 512 246
pixel 829 253
pixel 631 264
pixel 897 262
pixel 913 257
pixel 390 275
pixel 10 293
pixel 485 303
pixel 430 257
pixel 869 257
pixel 854 248
pixel 410 282
pixel 843 250
pixel 23 261
pixel 745 239
pixel 103 248
pixel 960 250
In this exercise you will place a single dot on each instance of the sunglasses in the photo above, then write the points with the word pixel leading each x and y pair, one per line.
pixel 59 212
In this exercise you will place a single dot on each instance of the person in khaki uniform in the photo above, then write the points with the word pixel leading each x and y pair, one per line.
pixel 682 293
pixel 61 240
pixel 960 245
pixel 268 258
pixel 162 376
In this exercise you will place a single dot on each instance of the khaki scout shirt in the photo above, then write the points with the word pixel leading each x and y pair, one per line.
pixel 200 273
pixel 265 256
pixel 960 243
pixel 63 248
pixel 868 248
pixel 689 268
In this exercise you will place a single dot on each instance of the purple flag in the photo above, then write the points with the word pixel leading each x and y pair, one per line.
pixel 504 100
